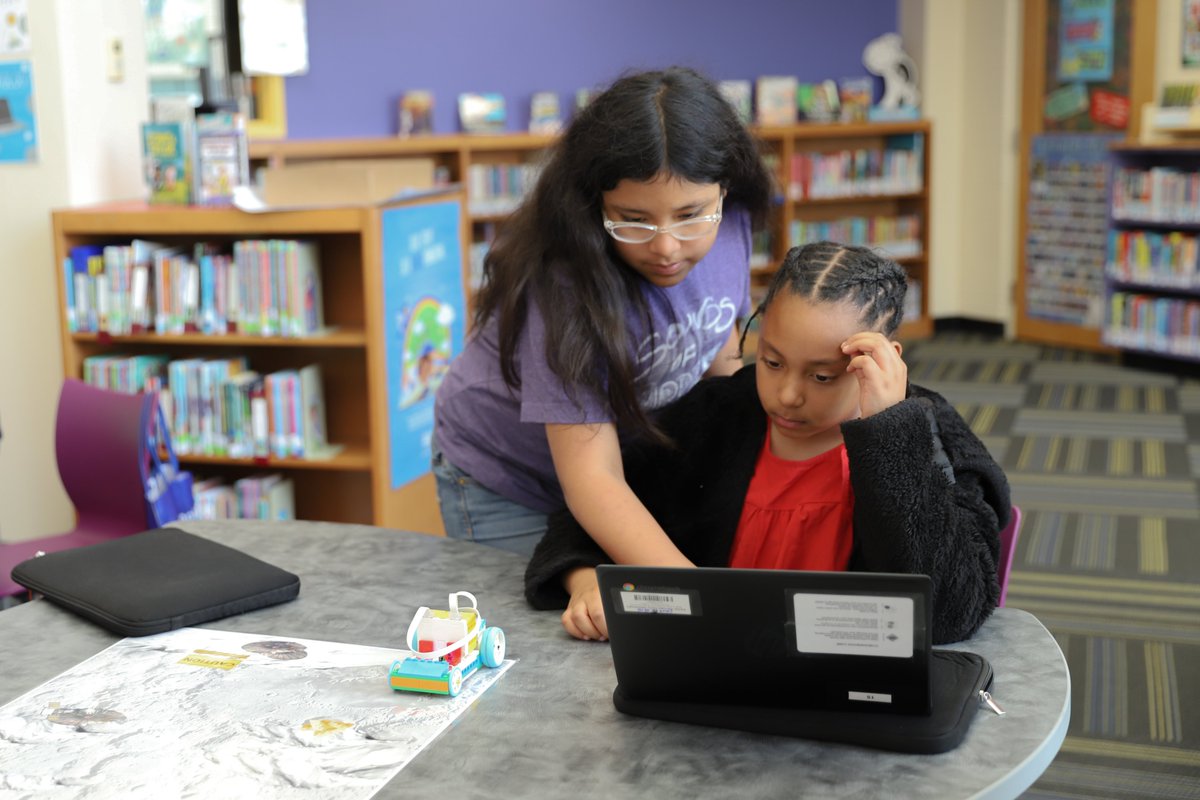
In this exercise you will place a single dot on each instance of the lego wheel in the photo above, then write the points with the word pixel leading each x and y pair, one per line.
pixel 491 649
pixel 454 681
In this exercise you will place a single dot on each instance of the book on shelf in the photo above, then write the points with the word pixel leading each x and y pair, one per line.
pixel 775 100
pixel 167 154
pixel 222 157
pixel 740 95
pixel 818 102
pixel 854 98
pixel 415 113
pixel 545 115
pixel 482 112
pixel 263 288
pixel 221 407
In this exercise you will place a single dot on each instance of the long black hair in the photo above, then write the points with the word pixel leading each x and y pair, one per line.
pixel 553 250
pixel 828 272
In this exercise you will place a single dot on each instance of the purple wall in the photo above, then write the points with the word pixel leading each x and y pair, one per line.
pixel 363 54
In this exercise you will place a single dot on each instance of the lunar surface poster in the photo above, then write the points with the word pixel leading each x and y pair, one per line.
pixel 195 712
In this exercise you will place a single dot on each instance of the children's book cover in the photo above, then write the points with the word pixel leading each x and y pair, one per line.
pixel 740 96
pixel 415 113
pixel 818 102
pixel 482 113
pixel 854 95
pixel 545 115
pixel 167 153
pixel 222 157
pixel 775 99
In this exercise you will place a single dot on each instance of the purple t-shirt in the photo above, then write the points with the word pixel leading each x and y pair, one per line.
pixel 497 434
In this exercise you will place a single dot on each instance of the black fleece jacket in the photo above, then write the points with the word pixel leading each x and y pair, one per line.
pixel 928 497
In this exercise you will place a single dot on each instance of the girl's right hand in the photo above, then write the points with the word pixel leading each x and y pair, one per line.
pixel 584 617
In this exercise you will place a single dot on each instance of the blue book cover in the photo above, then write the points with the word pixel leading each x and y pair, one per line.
pixel 18 124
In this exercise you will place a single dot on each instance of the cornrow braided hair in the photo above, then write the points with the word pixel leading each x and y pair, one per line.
pixel 827 272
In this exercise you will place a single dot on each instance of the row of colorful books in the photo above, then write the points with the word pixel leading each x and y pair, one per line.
pixel 261 287
pixel 1167 259
pixel 221 407
pixel 1158 194
pixel 269 497
pixel 896 168
pixel 196 159
pixel 1160 324
pixel 898 236
pixel 779 100
pixel 498 188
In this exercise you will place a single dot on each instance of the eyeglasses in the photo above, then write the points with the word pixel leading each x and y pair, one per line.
pixel 684 230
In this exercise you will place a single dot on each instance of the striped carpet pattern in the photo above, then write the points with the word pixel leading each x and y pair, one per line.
pixel 1104 461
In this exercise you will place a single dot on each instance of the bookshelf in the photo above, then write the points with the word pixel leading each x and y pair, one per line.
pixel 1152 271
pixel 864 183
pixel 467 159
pixel 354 485
pixel 1133 69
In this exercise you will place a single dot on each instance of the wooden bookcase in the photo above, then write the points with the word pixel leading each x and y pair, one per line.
pixel 459 154
pixel 785 144
pixel 1154 308
pixel 354 485
pixel 1133 54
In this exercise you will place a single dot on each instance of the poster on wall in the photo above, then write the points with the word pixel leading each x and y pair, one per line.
pixel 1087 80
pixel 1191 33
pixel 14 27
pixel 1085 40
pixel 18 126
pixel 274 37
pixel 1066 241
pixel 424 316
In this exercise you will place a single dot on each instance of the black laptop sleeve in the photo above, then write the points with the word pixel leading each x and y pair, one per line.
pixel 156 581
pixel 958 680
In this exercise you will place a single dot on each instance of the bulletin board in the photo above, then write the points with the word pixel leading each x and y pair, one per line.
pixel 1087 70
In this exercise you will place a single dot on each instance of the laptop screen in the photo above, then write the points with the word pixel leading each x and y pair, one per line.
pixel 820 640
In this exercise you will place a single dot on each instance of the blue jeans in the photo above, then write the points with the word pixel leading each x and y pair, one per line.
pixel 472 512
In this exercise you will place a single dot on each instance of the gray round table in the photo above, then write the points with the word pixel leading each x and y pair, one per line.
pixel 548 727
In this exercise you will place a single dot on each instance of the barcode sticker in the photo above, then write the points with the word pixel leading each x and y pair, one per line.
pixel 655 603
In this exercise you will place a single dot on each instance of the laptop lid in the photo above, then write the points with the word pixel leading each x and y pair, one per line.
pixel 818 640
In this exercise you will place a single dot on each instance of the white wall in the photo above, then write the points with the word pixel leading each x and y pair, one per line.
pixel 88 151
pixel 969 73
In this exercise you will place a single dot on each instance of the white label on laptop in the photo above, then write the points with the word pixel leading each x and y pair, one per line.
pixel 845 624
pixel 655 603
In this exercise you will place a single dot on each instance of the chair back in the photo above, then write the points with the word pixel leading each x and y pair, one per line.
pixel 1008 546
pixel 97 444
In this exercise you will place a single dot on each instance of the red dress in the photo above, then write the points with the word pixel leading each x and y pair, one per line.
pixel 797 514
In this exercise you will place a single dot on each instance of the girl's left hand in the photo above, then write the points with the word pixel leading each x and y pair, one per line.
pixel 882 374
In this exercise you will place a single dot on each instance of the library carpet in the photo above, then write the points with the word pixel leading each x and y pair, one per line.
pixel 1104 461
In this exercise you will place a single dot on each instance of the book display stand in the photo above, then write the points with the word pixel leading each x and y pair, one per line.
pixel 355 483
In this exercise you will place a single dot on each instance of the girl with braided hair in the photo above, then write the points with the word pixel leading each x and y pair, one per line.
pixel 820 456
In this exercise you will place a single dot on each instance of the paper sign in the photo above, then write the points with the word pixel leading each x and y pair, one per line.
pixel 864 625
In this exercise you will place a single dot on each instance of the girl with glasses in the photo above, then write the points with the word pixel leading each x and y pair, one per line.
pixel 616 286
pixel 820 456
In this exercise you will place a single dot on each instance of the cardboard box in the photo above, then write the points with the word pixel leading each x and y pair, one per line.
pixel 344 182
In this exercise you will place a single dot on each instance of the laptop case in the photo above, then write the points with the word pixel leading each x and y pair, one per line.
pixel 156 581
pixel 959 678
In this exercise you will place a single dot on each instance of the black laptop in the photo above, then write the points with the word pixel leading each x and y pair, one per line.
pixel 815 640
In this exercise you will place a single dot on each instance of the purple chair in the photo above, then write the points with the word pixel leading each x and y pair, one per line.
pixel 97 444
pixel 1008 546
